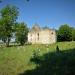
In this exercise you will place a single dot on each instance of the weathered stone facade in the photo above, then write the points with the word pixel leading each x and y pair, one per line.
pixel 41 36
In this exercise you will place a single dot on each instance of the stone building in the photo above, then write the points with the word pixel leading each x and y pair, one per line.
pixel 39 35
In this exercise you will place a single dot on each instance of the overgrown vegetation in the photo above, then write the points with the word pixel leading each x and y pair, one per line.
pixel 21 32
pixel 9 15
pixel 53 63
pixel 8 18
pixel 65 33
pixel 15 60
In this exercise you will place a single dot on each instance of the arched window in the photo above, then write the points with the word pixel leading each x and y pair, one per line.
pixel 38 36
pixel 52 33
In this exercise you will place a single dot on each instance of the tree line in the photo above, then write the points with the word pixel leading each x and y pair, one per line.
pixel 9 26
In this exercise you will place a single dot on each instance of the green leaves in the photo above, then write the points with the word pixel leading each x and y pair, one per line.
pixel 8 26
pixel 64 33
pixel 8 19
pixel 21 33
pixel 10 13
pixel 73 34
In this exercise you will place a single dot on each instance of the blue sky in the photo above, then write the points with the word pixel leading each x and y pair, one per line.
pixel 51 13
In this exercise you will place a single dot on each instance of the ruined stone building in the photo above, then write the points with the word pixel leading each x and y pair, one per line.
pixel 39 35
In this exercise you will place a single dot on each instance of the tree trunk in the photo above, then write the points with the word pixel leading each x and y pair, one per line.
pixel 7 43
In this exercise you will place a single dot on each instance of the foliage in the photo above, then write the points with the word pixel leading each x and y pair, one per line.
pixel 36 55
pixel 53 64
pixel 21 33
pixel 64 33
pixel 73 34
pixel 8 18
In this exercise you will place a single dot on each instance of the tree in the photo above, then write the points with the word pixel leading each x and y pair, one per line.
pixel 2 31
pixel 64 33
pixel 73 34
pixel 8 19
pixel 21 33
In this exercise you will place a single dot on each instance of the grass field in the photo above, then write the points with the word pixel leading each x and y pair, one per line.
pixel 15 60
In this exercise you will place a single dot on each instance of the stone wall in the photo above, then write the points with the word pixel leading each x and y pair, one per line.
pixel 44 36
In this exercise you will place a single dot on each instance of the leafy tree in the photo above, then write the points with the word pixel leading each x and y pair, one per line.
pixel 64 33
pixel 21 33
pixel 2 31
pixel 8 19
pixel 73 34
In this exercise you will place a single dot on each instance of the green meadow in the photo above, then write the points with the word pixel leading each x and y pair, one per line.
pixel 15 60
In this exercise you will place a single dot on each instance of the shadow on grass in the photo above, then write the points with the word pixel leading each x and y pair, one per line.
pixel 54 63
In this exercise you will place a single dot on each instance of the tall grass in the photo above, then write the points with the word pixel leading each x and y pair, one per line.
pixel 16 59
